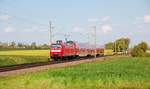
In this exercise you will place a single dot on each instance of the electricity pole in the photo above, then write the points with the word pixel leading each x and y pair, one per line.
pixel 95 40
pixel 88 41
pixel 50 30
pixel 50 26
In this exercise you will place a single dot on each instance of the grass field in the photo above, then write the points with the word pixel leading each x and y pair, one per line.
pixel 13 60
pixel 119 73
pixel 11 57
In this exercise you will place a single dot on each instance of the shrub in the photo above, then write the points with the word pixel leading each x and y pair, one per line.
pixel 137 52
pixel 143 46
pixel 140 50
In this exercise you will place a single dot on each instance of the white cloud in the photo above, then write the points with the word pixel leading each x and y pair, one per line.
pixel 93 19
pixel 147 18
pixel 137 20
pixel 35 29
pixel 106 18
pixel 5 17
pixel 78 29
pixel 9 29
pixel 106 28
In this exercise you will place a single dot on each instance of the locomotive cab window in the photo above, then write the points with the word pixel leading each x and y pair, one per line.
pixel 69 43
pixel 55 46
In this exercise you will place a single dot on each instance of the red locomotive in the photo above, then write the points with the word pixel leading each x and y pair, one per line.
pixel 69 49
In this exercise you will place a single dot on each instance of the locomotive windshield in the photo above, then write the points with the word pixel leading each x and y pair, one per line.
pixel 69 43
pixel 55 46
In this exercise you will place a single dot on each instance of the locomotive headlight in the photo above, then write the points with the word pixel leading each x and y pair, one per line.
pixel 55 50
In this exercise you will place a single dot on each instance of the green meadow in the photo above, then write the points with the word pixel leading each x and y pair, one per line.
pixel 118 73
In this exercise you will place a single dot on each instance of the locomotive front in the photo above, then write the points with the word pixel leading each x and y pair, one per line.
pixel 56 50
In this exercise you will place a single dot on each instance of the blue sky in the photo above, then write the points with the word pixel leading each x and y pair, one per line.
pixel 28 20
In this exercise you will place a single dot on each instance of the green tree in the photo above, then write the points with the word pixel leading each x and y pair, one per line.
pixel 20 45
pixel 45 46
pixel 109 45
pixel 12 44
pixel 122 44
pixel 1 45
pixel 33 45
pixel 127 42
pixel 119 45
pixel 5 45
pixel 143 46
pixel 139 50
pixel 27 46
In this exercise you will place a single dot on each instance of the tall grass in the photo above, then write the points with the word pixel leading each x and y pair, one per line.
pixel 120 73
pixel 13 60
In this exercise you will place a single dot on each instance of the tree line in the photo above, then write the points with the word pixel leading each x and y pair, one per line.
pixel 122 45
pixel 20 45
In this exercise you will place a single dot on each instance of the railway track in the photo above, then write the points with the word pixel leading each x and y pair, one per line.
pixel 21 66
pixel 36 64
